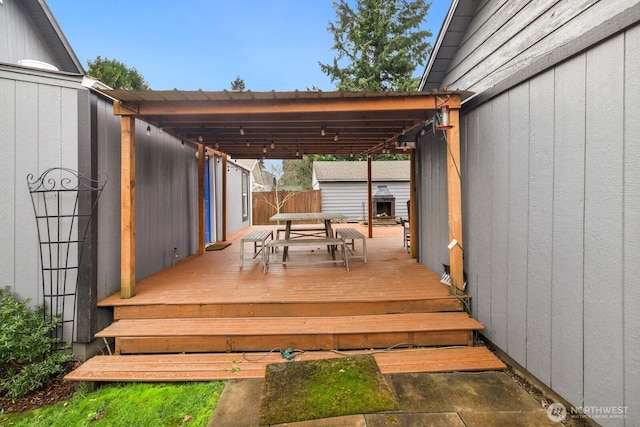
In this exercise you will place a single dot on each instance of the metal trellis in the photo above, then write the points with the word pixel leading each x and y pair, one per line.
pixel 63 202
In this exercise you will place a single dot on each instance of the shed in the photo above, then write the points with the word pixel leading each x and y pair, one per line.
pixel 344 185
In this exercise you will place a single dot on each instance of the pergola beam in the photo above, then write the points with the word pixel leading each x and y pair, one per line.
pixel 280 106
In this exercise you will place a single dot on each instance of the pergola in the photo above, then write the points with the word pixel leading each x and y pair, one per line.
pixel 288 125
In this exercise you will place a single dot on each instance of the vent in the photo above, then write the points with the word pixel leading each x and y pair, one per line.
pixel 34 63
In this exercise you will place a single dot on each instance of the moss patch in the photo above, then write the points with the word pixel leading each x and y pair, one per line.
pixel 298 391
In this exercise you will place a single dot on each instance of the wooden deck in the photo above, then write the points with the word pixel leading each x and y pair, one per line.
pixel 215 284
pixel 209 304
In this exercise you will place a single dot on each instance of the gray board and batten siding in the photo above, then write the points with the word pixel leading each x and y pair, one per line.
pixel 51 120
pixel 551 193
pixel 38 130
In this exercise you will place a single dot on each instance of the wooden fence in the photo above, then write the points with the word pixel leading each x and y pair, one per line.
pixel 301 201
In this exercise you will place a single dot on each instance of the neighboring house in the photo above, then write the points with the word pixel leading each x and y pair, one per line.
pixel 550 188
pixel 261 179
pixel 51 117
pixel 239 183
pixel 344 186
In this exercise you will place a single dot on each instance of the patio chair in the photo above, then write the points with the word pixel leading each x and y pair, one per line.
pixel 406 230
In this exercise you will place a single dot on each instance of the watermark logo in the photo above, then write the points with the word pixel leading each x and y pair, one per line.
pixel 557 412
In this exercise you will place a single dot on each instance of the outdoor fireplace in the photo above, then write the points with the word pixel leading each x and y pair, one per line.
pixel 384 203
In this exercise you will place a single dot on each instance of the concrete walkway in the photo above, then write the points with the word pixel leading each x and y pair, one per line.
pixel 464 399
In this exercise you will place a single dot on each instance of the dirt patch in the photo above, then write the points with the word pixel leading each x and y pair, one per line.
pixel 544 400
pixel 56 390
pixel 298 391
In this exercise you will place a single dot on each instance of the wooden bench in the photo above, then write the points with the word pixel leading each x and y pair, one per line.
pixel 315 241
pixel 259 239
pixel 353 234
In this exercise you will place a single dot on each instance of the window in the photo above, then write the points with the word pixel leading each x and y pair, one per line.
pixel 245 196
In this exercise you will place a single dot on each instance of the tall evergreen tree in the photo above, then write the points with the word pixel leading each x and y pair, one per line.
pixel 379 44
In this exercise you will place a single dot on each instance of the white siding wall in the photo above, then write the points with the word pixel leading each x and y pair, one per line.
pixel 551 190
pixel 235 220
pixel 350 198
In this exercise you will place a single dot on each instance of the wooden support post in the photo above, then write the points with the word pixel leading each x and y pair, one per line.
pixel 369 197
pixel 455 202
pixel 201 212
pixel 127 206
pixel 224 197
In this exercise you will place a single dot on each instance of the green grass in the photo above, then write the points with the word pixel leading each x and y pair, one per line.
pixel 297 391
pixel 128 405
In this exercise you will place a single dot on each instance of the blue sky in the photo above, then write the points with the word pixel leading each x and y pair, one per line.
pixel 205 44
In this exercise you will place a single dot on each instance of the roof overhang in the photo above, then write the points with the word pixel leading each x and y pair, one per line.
pixel 286 125
pixel 449 40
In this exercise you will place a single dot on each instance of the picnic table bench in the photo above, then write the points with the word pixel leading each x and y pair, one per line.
pixel 314 241
pixel 259 239
pixel 353 234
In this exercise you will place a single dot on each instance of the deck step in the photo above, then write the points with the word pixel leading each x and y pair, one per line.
pixel 282 309
pixel 225 366
pixel 310 333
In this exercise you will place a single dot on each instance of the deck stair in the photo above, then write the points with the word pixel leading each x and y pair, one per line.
pixel 205 319
pixel 215 348
pixel 176 335
pixel 225 366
